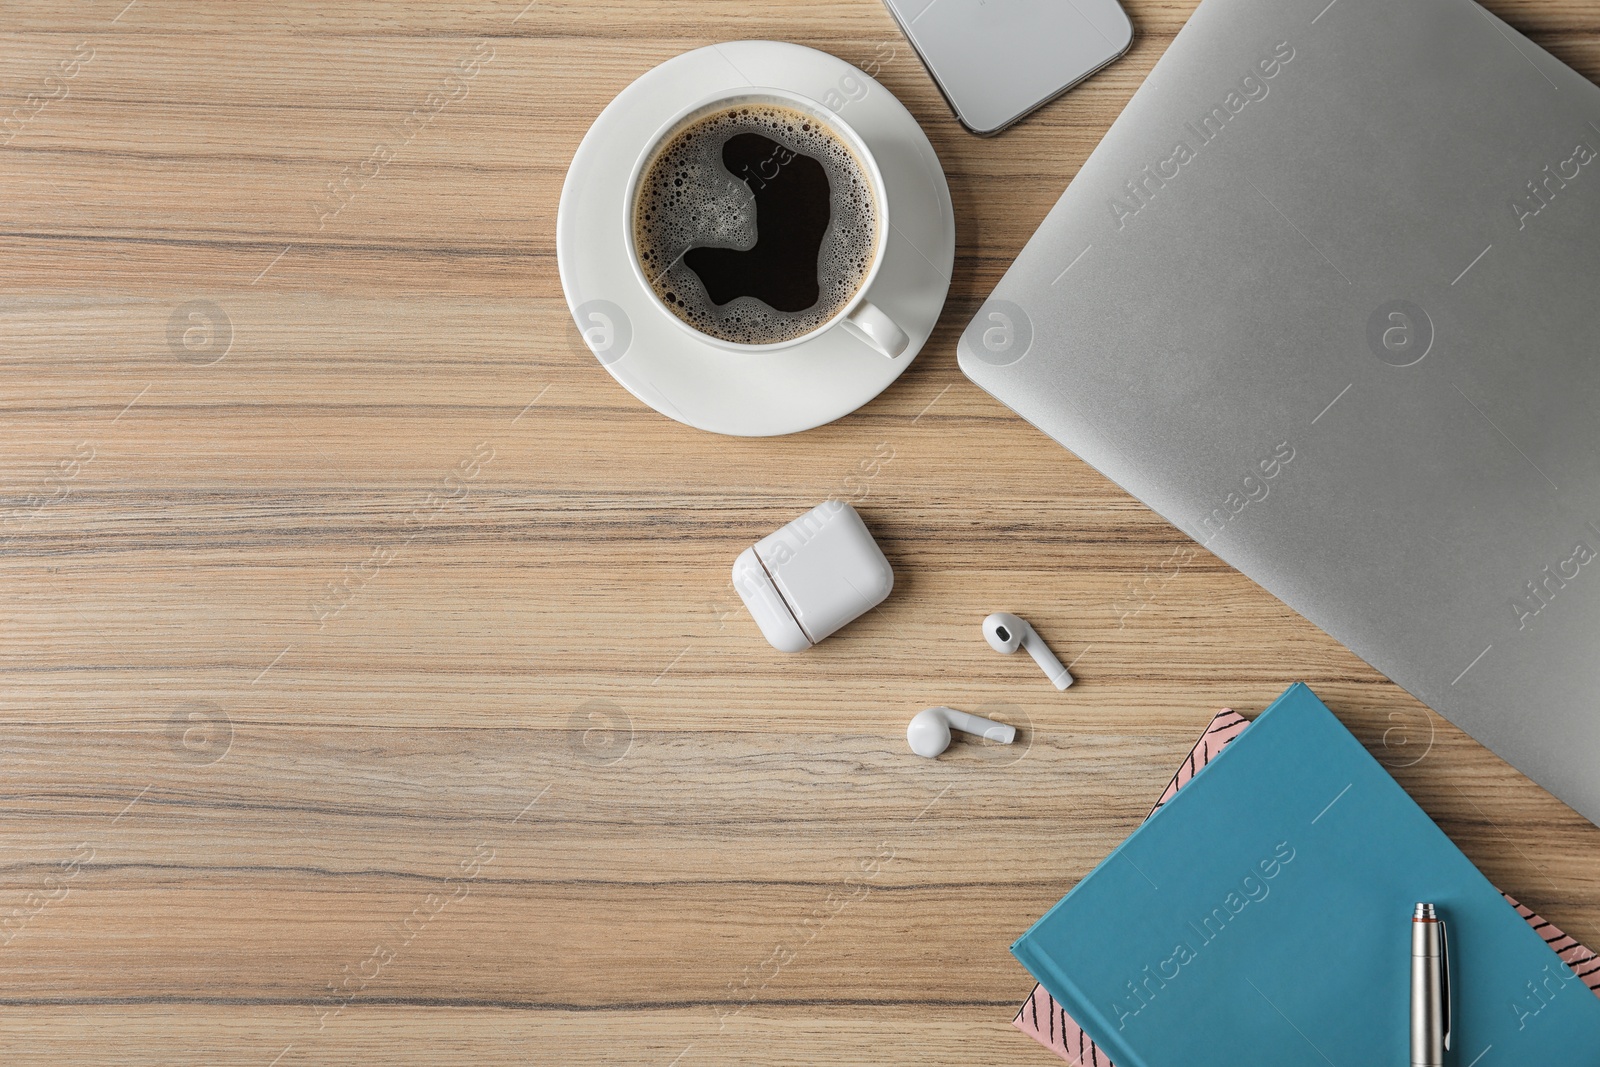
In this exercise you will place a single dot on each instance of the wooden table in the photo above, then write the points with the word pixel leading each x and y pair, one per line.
pixel 374 690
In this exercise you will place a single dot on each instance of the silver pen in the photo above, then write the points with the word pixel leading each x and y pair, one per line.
pixel 1430 988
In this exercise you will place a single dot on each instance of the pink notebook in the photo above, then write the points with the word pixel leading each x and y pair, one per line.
pixel 1047 1023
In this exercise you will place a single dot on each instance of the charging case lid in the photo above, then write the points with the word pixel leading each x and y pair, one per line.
pixel 767 605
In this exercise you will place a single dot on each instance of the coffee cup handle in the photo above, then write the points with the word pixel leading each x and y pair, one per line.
pixel 877 329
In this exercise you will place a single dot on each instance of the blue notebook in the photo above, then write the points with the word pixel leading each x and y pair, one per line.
pixel 1263 919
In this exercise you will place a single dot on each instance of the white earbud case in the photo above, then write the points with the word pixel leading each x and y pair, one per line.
pixel 812 577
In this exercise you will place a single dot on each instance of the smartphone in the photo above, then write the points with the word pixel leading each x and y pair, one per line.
pixel 997 60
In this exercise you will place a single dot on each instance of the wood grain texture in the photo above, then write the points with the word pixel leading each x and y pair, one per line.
pixel 355 710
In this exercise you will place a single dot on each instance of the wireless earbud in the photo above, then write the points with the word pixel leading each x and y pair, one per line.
pixel 929 732
pixel 1006 633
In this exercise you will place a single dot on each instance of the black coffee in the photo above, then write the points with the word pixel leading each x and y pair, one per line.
pixel 755 223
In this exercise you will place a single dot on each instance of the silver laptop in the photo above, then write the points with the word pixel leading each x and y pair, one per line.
pixel 1327 297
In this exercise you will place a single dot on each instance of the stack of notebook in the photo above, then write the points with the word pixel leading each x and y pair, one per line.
pixel 1261 916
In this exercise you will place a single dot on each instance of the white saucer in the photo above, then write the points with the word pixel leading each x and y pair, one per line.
pixel 662 364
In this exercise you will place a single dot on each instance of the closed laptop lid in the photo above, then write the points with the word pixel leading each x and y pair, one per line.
pixel 1325 297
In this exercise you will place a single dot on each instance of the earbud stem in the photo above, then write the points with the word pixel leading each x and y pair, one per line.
pixel 1059 676
pixel 987 729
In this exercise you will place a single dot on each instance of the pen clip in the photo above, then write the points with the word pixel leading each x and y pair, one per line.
pixel 1444 979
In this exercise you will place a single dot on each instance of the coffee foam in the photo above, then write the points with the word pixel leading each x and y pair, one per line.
pixel 686 199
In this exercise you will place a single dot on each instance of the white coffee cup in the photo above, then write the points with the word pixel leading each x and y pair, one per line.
pixel 859 315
